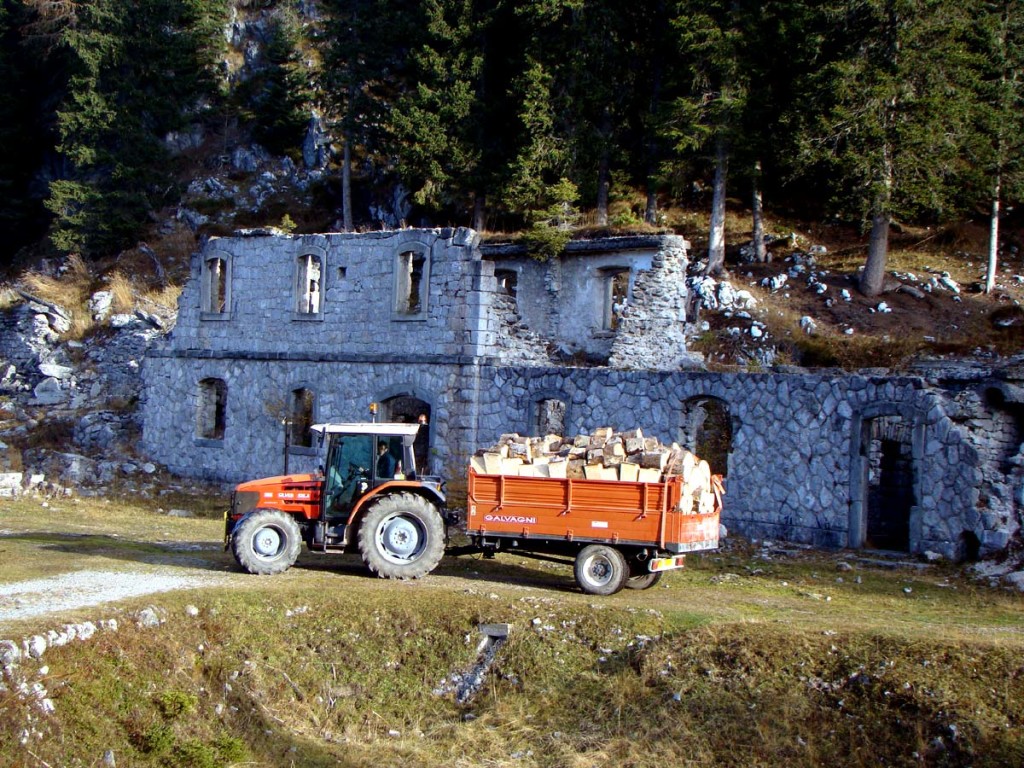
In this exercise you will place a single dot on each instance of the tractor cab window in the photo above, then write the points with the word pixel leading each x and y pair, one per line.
pixel 389 464
pixel 349 464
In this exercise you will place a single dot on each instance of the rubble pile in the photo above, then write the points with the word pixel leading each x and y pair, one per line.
pixel 602 455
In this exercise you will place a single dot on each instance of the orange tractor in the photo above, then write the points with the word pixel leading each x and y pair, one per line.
pixel 369 496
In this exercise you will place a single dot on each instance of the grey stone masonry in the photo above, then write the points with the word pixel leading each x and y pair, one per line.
pixel 360 309
pixel 795 469
pixel 429 322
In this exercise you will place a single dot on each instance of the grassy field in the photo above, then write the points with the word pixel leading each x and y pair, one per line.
pixel 750 656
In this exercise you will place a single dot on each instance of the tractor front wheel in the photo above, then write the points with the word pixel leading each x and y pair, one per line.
pixel 266 541
pixel 401 537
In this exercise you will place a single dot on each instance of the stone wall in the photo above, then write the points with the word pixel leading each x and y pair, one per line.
pixel 564 300
pixel 930 461
pixel 358 290
pixel 795 469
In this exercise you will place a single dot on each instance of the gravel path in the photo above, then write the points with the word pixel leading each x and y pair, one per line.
pixel 80 589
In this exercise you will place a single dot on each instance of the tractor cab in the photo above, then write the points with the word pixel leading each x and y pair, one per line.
pixel 361 457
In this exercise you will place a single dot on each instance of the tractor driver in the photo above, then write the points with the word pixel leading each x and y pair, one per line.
pixel 386 464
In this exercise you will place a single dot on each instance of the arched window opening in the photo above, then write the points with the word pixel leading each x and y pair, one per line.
pixel 215 287
pixel 308 284
pixel 211 419
pixel 551 417
pixel 411 277
pixel 301 418
pixel 706 430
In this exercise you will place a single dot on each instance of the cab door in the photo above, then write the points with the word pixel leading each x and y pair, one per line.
pixel 348 474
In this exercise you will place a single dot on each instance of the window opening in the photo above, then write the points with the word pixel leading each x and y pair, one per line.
pixel 411 283
pixel 301 418
pixel 211 419
pixel 307 287
pixel 706 430
pixel 616 297
pixel 215 285
pixel 508 281
pixel 551 417
pixel 389 459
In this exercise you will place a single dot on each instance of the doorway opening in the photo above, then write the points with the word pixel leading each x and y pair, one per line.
pixel 408 409
pixel 889 464
pixel 706 429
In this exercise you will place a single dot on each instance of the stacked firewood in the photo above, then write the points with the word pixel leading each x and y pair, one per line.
pixel 602 455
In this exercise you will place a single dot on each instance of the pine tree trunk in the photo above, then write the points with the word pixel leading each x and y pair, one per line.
pixel 346 187
pixel 651 209
pixel 760 252
pixel 603 185
pixel 716 238
pixel 993 241
pixel 479 211
pixel 604 175
pixel 873 277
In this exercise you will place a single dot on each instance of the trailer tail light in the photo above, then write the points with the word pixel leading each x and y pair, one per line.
pixel 666 563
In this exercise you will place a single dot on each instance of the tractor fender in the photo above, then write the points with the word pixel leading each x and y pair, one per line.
pixel 394 487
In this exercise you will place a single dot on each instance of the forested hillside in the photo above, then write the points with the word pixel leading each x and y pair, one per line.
pixel 532 115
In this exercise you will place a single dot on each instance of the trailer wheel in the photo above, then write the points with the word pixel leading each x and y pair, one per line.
pixel 266 541
pixel 600 570
pixel 643 580
pixel 401 537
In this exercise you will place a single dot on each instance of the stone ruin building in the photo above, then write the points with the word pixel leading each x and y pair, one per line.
pixel 276 332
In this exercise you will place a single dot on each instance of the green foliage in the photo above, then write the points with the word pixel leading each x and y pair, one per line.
pixel 909 107
pixel 174 704
pixel 893 105
pixel 282 89
pixel 551 227
pixel 158 739
pixel 434 123
pixel 136 70
pixel 541 158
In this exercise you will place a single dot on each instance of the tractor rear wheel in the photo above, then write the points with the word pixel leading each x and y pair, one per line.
pixel 266 541
pixel 401 537
pixel 600 570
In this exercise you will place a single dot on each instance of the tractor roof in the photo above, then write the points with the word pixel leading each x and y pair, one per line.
pixel 368 428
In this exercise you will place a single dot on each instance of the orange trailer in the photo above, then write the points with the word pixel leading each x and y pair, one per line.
pixel 621 534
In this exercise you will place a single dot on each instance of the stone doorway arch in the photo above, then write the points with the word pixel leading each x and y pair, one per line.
pixel 706 429
pixel 408 406
pixel 885 482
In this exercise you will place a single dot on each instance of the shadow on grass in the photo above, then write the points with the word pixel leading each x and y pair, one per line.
pixel 211 556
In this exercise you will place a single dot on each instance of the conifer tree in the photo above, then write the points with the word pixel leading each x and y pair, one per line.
pixel 20 149
pixel 435 124
pixel 365 71
pixel 708 114
pixel 998 149
pixel 137 71
pixel 284 88
pixel 892 111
